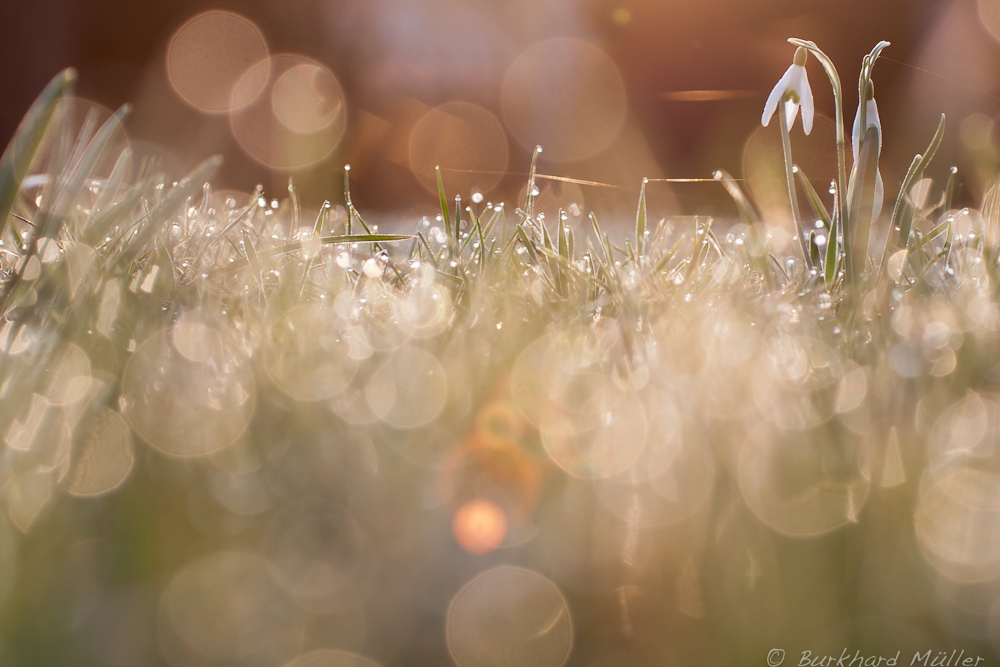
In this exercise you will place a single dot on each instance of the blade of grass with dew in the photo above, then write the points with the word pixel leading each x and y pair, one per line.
pixel 28 137
pixel 254 263
pixel 833 255
pixel 171 203
pixel 70 185
pixel 529 195
pixel 991 211
pixel 662 262
pixel 111 188
pixel 347 198
pixel 250 208
pixel 640 218
pixel 96 232
pixel 949 188
pixel 902 213
pixel 814 200
pixel 443 200
pixel 67 190
pixel 296 206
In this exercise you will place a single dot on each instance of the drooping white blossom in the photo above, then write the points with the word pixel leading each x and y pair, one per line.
pixel 793 90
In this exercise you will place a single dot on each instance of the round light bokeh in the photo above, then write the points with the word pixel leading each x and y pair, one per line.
pixel 565 95
pixel 184 407
pixel 509 616
pixel 307 356
pixel 209 54
pixel 805 482
pixel 227 606
pixel 466 141
pixel 289 112
pixel 957 523
pixel 104 457
pixel 409 389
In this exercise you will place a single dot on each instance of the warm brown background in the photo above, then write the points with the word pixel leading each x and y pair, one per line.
pixel 388 53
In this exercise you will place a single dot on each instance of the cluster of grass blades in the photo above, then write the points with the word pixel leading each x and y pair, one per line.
pixel 242 356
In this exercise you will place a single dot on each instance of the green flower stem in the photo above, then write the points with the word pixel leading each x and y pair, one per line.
pixel 786 145
pixel 838 108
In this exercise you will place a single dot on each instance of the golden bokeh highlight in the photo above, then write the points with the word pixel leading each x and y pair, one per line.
pixel 409 389
pixel 306 354
pixel 466 141
pixel 565 95
pixel 591 426
pixel 104 458
pixel 805 482
pixel 479 526
pixel 307 99
pixel 183 407
pixel 509 615
pixel 209 54
pixel 958 522
pixel 227 606
pixel 289 112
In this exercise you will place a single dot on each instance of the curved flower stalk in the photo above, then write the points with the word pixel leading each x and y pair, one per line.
pixel 792 90
pixel 871 120
pixel 840 214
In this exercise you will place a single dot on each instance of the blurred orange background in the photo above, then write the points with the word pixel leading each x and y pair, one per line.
pixel 614 90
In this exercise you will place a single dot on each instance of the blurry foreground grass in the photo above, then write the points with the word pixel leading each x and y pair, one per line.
pixel 240 432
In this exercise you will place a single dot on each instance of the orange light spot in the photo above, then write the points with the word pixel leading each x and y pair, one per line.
pixel 479 527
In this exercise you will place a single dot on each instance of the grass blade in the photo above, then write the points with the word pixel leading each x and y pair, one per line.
pixel 27 139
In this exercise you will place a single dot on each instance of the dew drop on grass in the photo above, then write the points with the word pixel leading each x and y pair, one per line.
pixel 371 268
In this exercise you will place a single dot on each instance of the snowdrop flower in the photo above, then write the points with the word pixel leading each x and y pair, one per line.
pixel 871 120
pixel 792 89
